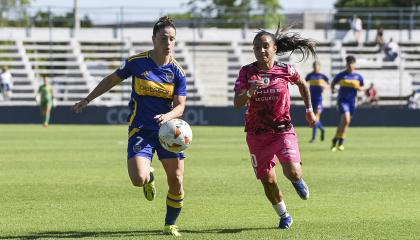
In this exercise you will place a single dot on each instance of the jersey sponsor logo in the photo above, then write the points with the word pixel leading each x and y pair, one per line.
pixel 154 89
pixel 351 83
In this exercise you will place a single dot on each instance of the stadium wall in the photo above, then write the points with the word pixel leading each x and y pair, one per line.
pixel 218 116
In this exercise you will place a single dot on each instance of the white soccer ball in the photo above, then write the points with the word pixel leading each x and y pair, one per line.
pixel 175 135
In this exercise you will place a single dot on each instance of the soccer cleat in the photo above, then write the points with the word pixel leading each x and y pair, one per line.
pixel 149 188
pixel 312 140
pixel 333 149
pixel 301 189
pixel 340 147
pixel 171 230
pixel 285 222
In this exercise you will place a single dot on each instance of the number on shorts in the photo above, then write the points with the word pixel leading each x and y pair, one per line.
pixel 254 160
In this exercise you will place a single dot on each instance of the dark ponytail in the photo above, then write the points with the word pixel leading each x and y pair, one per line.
pixel 162 23
pixel 290 42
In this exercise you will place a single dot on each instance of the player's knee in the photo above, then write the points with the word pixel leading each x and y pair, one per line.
pixel 139 181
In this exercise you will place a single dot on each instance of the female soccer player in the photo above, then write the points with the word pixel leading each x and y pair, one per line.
pixel 158 95
pixel 45 100
pixel 317 82
pixel 263 86
pixel 350 82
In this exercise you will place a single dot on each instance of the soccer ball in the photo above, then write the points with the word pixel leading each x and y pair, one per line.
pixel 175 135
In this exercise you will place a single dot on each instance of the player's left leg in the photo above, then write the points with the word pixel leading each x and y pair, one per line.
pixel 275 196
pixel 174 168
pixel 47 115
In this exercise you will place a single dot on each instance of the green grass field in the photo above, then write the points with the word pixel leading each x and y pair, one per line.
pixel 71 182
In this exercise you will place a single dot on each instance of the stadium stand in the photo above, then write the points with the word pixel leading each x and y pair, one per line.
pixel 76 64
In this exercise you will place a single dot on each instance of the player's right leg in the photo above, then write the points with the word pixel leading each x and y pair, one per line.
pixel 140 153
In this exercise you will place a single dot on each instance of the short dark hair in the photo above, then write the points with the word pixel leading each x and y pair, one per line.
pixel 350 59
pixel 162 23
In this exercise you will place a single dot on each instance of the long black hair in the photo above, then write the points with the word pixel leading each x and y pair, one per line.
pixel 290 42
pixel 162 23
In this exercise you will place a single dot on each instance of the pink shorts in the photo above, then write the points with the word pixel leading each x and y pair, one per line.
pixel 267 148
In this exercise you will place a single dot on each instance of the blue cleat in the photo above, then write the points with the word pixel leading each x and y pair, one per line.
pixel 285 222
pixel 301 189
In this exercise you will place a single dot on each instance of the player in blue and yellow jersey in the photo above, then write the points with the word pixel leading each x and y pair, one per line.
pixel 350 82
pixel 158 95
pixel 317 82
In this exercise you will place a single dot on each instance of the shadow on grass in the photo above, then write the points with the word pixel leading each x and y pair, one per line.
pixel 75 234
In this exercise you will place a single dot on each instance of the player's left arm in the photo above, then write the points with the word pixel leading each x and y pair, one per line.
pixel 176 112
pixel 304 92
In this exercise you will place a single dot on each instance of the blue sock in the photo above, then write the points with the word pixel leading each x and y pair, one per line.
pixel 314 132
pixel 319 125
pixel 340 141
pixel 174 205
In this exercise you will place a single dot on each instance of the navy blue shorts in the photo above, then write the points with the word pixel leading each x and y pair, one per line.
pixel 344 107
pixel 317 105
pixel 144 143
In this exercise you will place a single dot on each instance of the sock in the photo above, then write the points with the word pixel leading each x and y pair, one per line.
pixel 314 132
pixel 320 126
pixel 46 118
pixel 151 177
pixel 334 141
pixel 280 209
pixel 174 205
pixel 340 141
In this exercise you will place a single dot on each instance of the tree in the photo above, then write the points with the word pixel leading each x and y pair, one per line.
pixel 14 12
pixel 236 13
pixel 377 3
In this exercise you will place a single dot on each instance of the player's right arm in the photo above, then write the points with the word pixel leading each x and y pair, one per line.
pixel 243 90
pixel 104 86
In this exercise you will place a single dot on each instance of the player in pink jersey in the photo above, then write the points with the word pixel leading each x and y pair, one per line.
pixel 263 86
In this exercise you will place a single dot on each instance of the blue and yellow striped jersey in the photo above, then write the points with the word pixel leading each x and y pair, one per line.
pixel 152 88
pixel 316 82
pixel 349 84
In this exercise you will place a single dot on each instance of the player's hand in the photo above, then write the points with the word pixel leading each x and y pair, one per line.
pixel 311 118
pixel 254 86
pixel 79 106
pixel 162 118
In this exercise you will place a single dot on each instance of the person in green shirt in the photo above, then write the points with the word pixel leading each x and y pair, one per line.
pixel 45 100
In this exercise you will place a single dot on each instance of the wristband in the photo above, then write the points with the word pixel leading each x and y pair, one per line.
pixel 248 94
pixel 308 110
pixel 87 100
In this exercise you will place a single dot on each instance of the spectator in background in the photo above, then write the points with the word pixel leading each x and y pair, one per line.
pixel 371 95
pixel 379 39
pixel 356 26
pixel 44 98
pixel 391 50
pixel 6 82
pixel 413 100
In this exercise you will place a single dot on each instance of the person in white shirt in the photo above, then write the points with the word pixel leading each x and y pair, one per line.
pixel 357 26
pixel 6 83
pixel 391 50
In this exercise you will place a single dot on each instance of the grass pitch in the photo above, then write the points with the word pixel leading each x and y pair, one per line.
pixel 71 182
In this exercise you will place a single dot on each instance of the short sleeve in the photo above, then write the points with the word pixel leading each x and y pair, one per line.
pixel 293 74
pixel 242 81
pixel 123 71
pixel 336 79
pixel 325 78
pixel 180 84
pixel 362 83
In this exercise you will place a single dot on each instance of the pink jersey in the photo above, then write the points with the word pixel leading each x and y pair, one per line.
pixel 270 106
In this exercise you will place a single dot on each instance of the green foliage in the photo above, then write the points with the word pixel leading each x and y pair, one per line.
pixel 231 13
pixel 70 182
pixel 42 18
pixel 19 8
pixel 376 3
